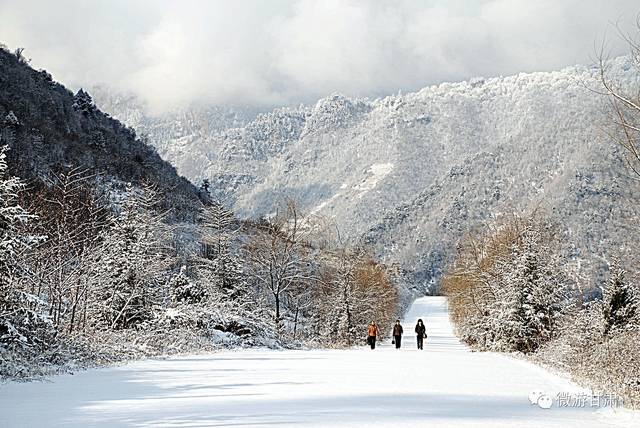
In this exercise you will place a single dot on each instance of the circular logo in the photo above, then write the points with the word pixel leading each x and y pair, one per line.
pixel 540 398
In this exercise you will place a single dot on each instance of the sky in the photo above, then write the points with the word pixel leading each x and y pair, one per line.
pixel 276 52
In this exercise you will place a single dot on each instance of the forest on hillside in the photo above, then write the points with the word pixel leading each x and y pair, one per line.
pixel 106 254
pixel 515 287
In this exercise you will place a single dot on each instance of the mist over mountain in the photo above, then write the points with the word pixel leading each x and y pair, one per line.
pixel 409 174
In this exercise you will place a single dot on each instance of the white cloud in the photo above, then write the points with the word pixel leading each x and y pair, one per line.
pixel 277 52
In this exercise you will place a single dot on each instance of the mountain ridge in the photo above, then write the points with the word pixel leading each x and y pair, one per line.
pixel 55 130
pixel 527 137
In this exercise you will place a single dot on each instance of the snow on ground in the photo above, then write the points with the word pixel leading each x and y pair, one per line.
pixel 443 386
pixel 376 172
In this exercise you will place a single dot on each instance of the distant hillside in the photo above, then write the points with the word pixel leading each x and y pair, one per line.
pixel 174 134
pixel 411 173
pixel 51 129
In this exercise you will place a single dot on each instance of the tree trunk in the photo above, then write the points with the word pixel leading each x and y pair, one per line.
pixel 277 296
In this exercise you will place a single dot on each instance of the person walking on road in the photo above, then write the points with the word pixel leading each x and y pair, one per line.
pixel 372 334
pixel 421 333
pixel 397 334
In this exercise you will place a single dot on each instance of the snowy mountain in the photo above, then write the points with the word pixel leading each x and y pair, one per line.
pixel 174 134
pixel 411 173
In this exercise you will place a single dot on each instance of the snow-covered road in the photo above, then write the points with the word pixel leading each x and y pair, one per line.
pixel 443 386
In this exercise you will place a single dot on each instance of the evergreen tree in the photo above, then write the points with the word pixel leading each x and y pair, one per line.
pixel 131 263
pixel 534 291
pixel 184 290
pixel 10 120
pixel 205 190
pixel 619 300
pixel 83 103
pixel 221 261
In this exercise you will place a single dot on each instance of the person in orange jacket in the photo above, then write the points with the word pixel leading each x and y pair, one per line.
pixel 372 334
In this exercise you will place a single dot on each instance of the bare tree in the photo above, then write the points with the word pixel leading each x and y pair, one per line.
pixel 354 289
pixel 74 217
pixel 625 103
pixel 300 298
pixel 277 255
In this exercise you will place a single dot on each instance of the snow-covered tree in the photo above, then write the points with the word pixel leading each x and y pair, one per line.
pixel 83 103
pixel 619 300
pixel 353 289
pixel 72 217
pixel 185 290
pixel 12 216
pixel 221 259
pixel 205 190
pixel 277 256
pixel 131 262
pixel 535 291
pixel 508 289
pixel 22 319
pixel 339 320
pixel 11 120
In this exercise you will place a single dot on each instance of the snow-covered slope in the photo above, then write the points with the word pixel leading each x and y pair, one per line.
pixel 445 385
pixel 411 173
pixel 178 135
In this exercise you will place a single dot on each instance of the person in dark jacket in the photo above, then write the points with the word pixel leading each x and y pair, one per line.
pixel 397 334
pixel 421 333
pixel 372 334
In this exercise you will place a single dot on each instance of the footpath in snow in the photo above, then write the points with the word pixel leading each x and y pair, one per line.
pixel 445 385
